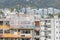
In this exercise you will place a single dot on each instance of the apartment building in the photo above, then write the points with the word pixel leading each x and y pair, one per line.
pixel 29 26
pixel 42 11
pixel 17 27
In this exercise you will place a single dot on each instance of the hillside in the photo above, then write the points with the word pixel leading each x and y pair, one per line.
pixel 31 3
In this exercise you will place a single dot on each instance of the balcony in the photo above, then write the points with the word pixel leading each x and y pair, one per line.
pixel 4 27
pixel 42 33
pixel 26 35
pixel 7 35
pixel 42 23
pixel 48 23
pixel 22 25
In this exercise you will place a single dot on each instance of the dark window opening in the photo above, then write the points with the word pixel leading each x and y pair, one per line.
pixel 1 22
pixel 36 38
pixel 7 23
pixel 37 32
pixel 1 31
pixel 7 31
pixel 26 31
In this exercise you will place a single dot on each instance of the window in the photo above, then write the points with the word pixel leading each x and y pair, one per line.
pixel 6 39
pixel 7 23
pixel 56 37
pixel 12 31
pixel 26 31
pixel 1 31
pixel 7 31
pixel 49 31
pixel 41 20
pixel 15 30
pixel 36 38
pixel 19 39
pixel 56 26
pixel 59 37
pixel 48 37
pixel 48 26
pixel 56 21
pixel 59 32
pixel 1 22
pixel 59 22
pixel 59 26
pixel 25 38
pixel 22 35
pixel 18 30
pixel 48 21
pixel 56 32
pixel 15 38
pixel 37 32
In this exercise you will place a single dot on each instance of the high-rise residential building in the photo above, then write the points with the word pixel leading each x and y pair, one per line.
pixel 29 26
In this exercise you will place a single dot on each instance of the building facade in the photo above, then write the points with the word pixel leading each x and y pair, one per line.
pixel 24 26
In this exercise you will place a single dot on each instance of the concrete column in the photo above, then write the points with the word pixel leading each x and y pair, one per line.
pixel 10 31
pixel 32 34
pixel 4 23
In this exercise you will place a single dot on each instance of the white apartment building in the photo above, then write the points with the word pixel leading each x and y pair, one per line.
pixel 42 11
pixel 50 29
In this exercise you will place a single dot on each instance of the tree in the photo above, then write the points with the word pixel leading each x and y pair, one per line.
pixel 58 15
pixel 50 15
pixel 2 15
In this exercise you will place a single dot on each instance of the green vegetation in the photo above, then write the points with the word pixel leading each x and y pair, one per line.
pixel 50 15
pixel 31 3
pixel 2 14
pixel 58 15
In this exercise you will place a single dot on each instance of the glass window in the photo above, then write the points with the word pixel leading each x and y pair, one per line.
pixel 7 31
pixel 48 21
pixel 26 31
